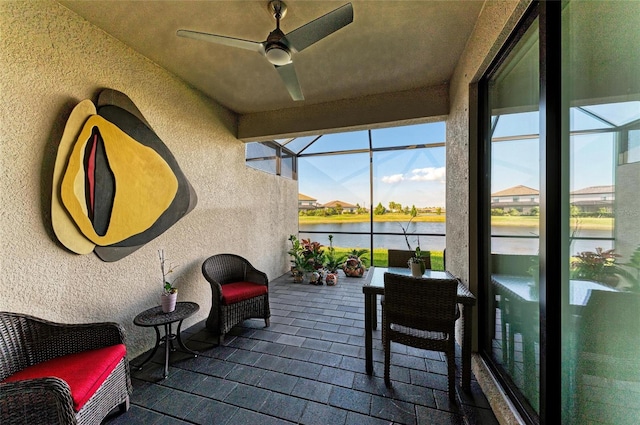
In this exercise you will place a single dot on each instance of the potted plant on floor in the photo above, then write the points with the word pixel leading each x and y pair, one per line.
pixel 334 262
pixel 314 253
pixel 300 268
pixel 355 265
pixel 169 294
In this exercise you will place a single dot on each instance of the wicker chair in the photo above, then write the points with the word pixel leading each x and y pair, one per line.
pixel 239 291
pixel 33 351
pixel 400 258
pixel 420 313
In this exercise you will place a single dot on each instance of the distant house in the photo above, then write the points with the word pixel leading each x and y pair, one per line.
pixel 346 207
pixel 591 199
pixel 520 198
pixel 594 198
pixel 307 203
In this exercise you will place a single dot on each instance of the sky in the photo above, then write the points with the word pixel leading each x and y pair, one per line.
pixel 409 177
pixel 417 176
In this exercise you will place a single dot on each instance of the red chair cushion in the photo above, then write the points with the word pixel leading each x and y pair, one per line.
pixel 84 372
pixel 240 291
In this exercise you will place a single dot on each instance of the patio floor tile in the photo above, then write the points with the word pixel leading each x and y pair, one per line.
pixel 306 368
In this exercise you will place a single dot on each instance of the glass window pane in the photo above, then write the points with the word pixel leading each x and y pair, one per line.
pixel 287 165
pixel 259 150
pixel 340 184
pixel 632 153
pixel 261 157
pixel 616 113
pixel 299 143
pixel 409 197
pixel 339 142
pixel 512 300
pixel 581 119
pixel 408 135
pixel 602 327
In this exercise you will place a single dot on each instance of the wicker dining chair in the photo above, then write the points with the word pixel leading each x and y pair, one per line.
pixel 40 377
pixel 420 313
pixel 239 291
pixel 400 258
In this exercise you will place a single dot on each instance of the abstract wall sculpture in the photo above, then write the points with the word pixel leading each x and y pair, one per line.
pixel 116 186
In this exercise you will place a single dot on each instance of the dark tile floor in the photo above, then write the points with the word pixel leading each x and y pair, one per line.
pixel 306 368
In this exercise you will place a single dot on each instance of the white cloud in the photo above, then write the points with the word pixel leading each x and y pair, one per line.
pixel 428 174
pixel 395 178
pixel 418 175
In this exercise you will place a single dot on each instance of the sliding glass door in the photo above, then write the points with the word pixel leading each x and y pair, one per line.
pixel 602 327
pixel 561 208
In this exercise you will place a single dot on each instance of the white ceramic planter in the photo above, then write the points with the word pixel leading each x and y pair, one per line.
pixel 168 302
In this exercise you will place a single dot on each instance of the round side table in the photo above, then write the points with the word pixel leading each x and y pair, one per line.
pixel 156 317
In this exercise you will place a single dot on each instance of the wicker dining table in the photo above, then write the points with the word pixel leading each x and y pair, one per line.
pixel 374 286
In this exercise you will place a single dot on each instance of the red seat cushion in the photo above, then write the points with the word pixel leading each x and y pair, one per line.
pixel 240 291
pixel 84 372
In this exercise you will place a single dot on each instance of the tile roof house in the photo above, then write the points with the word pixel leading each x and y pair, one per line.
pixel 520 198
pixel 594 198
pixel 306 202
pixel 346 207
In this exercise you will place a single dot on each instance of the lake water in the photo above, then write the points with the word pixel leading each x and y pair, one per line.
pixel 500 244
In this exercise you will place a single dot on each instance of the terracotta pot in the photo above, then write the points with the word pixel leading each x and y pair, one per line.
pixel 331 279
pixel 298 276
pixel 168 302
pixel 353 267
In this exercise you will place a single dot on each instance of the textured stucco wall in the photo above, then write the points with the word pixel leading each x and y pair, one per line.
pixel 51 59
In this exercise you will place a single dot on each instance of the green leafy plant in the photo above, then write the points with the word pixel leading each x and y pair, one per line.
pixel 417 259
pixel 167 286
pixel 359 254
pixel 314 253
pixel 333 261
pixel 299 263
pixel 599 265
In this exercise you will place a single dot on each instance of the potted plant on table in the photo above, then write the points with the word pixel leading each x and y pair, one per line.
pixel 416 263
pixel 334 262
pixel 169 294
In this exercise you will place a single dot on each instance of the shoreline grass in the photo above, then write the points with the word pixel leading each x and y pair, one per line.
pixel 592 223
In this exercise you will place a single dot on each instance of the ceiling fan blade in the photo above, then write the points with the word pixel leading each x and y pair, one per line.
pixel 290 79
pixel 303 37
pixel 220 39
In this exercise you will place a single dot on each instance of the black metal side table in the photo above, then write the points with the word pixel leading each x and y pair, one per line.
pixel 156 317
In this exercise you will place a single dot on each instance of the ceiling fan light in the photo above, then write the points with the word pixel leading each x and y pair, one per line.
pixel 278 56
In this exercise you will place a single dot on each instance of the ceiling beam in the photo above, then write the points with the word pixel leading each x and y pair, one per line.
pixel 411 106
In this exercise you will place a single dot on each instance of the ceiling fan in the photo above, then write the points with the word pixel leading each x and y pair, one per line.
pixel 279 47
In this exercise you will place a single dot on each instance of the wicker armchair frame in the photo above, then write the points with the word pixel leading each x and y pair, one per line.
pixel 420 313
pixel 222 269
pixel 26 341
pixel 400 258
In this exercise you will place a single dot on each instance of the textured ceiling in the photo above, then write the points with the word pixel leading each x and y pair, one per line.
pixel 391 46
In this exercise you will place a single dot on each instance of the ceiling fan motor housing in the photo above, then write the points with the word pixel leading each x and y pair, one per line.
pixel 277 52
